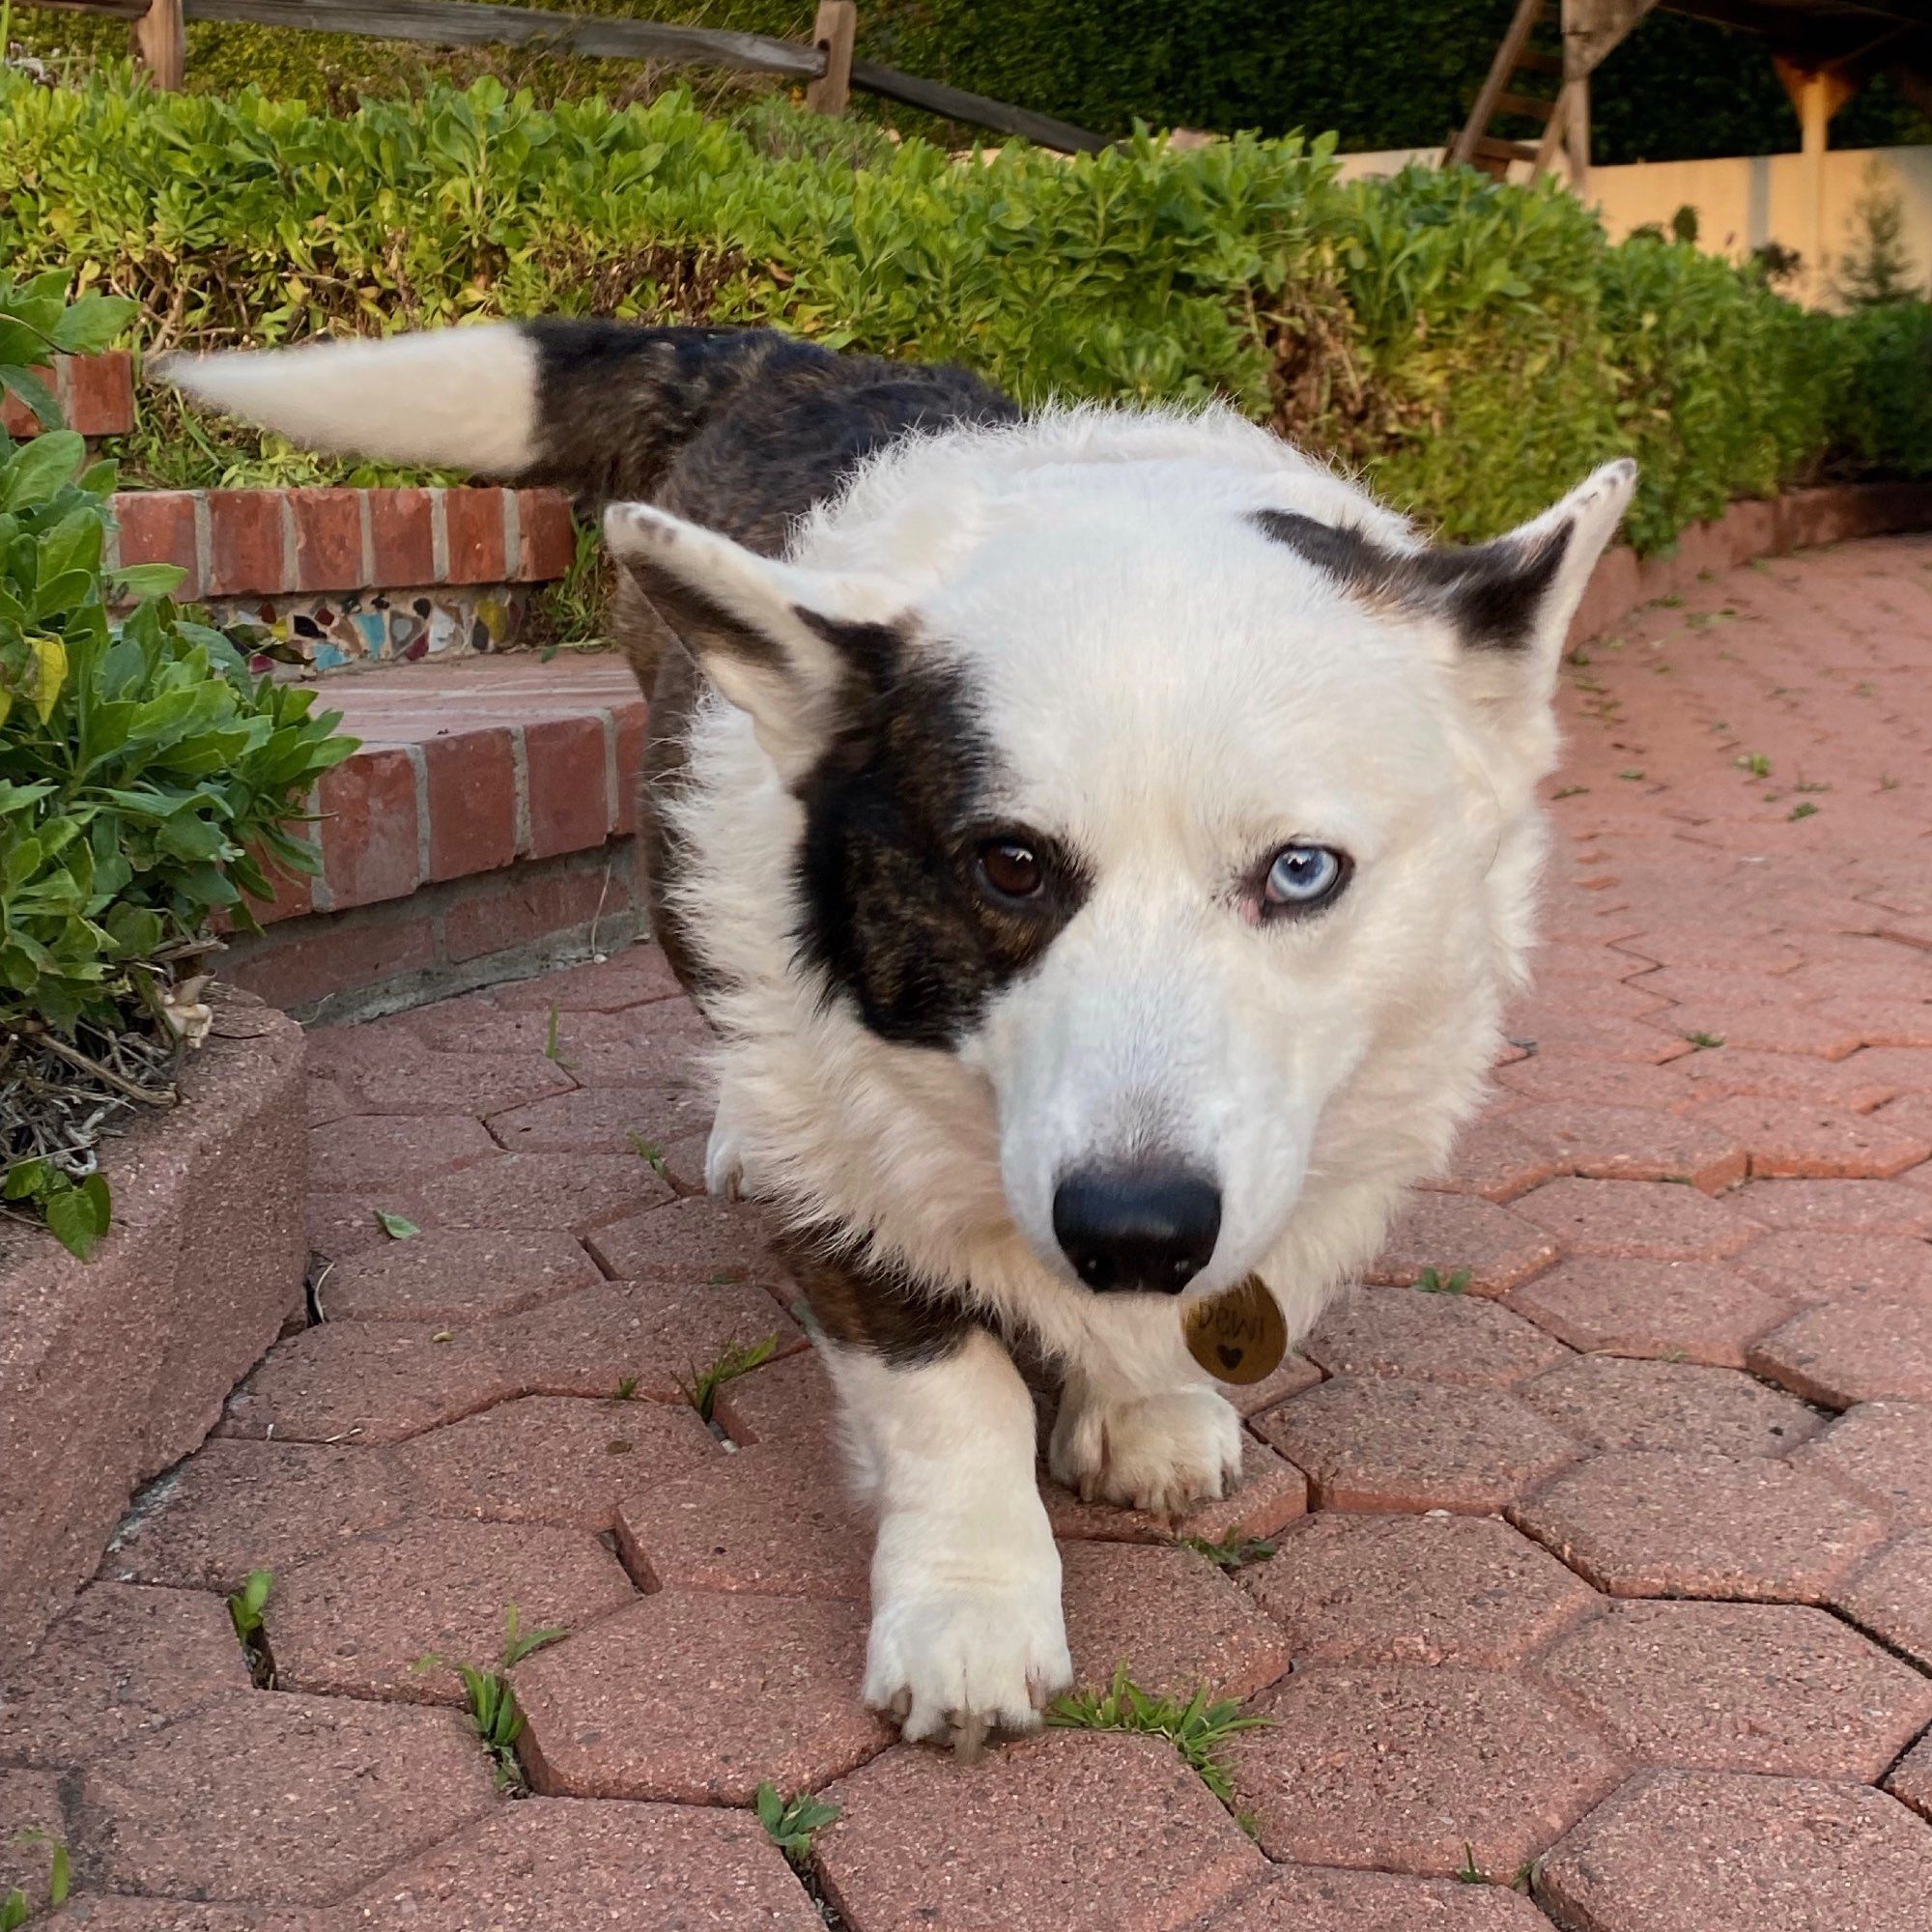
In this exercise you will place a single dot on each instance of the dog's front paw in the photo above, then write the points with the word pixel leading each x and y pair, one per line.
pixel 952 1656
pixel 723 1164
pixel 1162 1453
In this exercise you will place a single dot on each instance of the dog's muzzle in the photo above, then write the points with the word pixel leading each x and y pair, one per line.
pixel 1152 1229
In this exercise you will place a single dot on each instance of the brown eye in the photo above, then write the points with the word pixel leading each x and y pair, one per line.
pixel 1011 867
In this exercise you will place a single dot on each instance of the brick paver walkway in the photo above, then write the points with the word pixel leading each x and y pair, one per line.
pixel 1605 1575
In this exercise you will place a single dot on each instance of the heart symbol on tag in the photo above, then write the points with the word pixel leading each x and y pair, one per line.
pixel 1230 1358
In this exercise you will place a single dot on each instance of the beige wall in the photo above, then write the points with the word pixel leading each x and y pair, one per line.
pixel 1747 200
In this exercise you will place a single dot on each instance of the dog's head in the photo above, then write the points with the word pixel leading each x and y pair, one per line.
pixel 1196 830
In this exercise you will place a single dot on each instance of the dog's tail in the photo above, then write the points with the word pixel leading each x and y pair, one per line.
pixel 599 407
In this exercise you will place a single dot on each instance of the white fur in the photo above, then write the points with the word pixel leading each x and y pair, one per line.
pixel 966 1616
pixel 460 398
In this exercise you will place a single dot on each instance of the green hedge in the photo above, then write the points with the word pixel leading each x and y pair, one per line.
pixel 1384 74
pixel 1472 348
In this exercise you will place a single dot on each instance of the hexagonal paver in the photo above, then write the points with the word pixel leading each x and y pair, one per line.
pixel 453 1082
pixel 1456 1232
pixel 1869 1348
pixel 653 1338
pixel 1271 1495
pixel 367 1382
pixel 551 1862
pixel 1784 1138
pixel 779 1520
pixel 1763 1025
pixel 690 1241
pixel 457 1274
pixel 789 1402
pixel 1912 1780
pixel 1429 1337
pixel 1836 1207
pixel 570 1192
pixel 1597 1036
pixel 700 1699
pixel 1375 1442
pixel 1430 1771
pixel 1414 1589
pixel 1800 1079
pixel 1642 1524
pixel 123 1661
pixel 1634 1220
pixel 552 1458
pixel 353 1156
pixel 1611 1403
pixel 236 1506
pixel 1598 1083
pixel 1068 1832
pixel 1812 1266
pixel 601 1120
pixel 1309 1899
pixel 281 1799
pixel 1773 1687
pixel 1892 1596
pixel 1631 1143
pixel 1688 1311
pixel 635 977
pixel 1169 1616
pixel 1883 1022
pixel 1493 1160
pixel 1881 1452
pixel 1698 1850
pixel 362 1621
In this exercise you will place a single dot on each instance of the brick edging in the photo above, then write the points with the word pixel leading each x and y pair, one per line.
pixel 95 394
pixel 242 543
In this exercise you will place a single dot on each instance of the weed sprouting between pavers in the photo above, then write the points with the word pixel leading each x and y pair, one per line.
pixel 246 1610
pixel 1433 1281
pixel 792 1823
pixel 493 1704
pixel 17 1907
pixel 1197 1730
pixel 736 1358
pixel 1233 1551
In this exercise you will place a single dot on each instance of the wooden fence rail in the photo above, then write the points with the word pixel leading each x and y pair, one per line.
pixel 827 64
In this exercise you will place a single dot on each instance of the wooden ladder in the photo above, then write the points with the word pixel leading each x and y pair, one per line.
pixel 1477 145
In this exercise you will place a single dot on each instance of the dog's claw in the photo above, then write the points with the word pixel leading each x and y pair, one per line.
pixel 969 1735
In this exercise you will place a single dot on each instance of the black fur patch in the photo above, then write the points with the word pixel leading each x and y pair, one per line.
pixel 1491 592
pixel 893 819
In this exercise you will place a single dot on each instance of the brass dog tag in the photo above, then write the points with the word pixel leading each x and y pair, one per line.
pixel 1241 1338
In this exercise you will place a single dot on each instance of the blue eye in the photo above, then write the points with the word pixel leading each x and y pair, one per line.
pixel 1302 877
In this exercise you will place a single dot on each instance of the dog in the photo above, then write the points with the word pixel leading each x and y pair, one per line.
pixel 1100 841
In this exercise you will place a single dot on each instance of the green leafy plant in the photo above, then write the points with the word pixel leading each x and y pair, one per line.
pixel 1197 1730
pixel 247 1609
pixel 1433 1281
pixel 398 1227
pixel 792 1823
pixel 17 1907
pixel 736 1358
pixel 1704 1041
pixel 650 1153
pixel 1233 1551
pixel 146 780
pixel 493 1703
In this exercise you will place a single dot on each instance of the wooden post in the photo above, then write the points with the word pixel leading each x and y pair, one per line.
pixel 834 33
pixel 160 45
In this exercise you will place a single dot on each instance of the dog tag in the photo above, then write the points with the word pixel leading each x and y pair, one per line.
pixel 1241 1338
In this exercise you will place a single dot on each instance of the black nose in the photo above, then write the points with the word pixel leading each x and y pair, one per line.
pixel 1151 1228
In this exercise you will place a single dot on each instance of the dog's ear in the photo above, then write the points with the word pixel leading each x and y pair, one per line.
pixel 791 647
pixel 1509 602
pixel 1504 608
